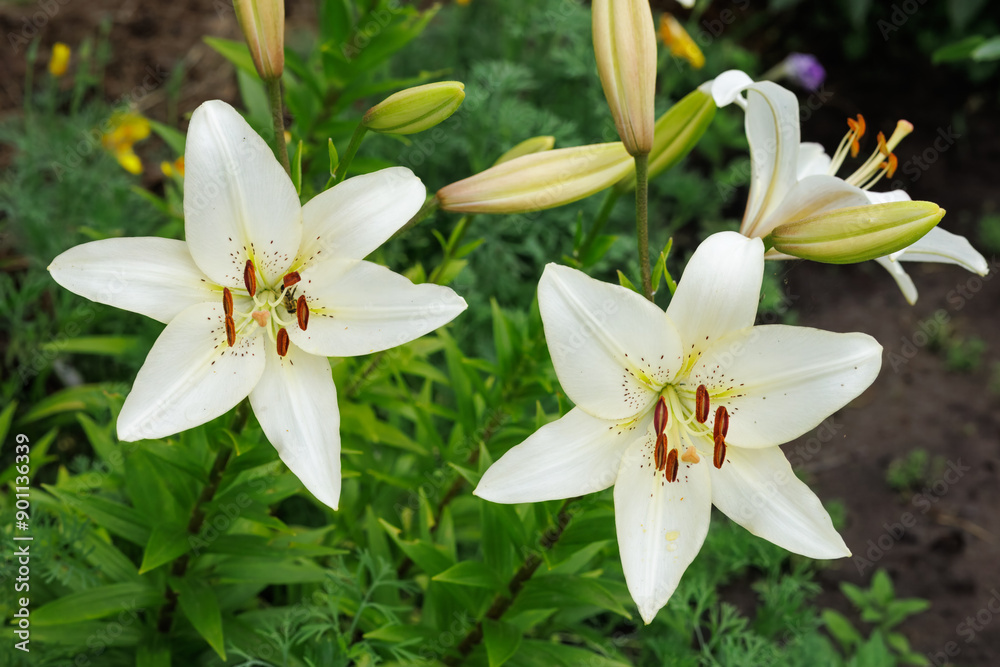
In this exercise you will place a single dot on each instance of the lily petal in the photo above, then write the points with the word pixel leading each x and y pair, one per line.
pixel 356 216
pixel 887 197
pixel 811 196
pixel 190 376
pixel 778 382
pixel 150 276
pixel 902 278
pixel 661 525
pixel 296 405
pixel 239 203
pixel 611 348
pixel 772 126
pixel 728 88
pixel 572 456
pixel 719 290
pixel 357 307
pixel 940 245
pixel 812 160
pixel 757 489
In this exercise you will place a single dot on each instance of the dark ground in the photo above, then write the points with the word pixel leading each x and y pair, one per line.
pixel 950 551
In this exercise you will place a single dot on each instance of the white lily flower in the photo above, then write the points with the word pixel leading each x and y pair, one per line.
pixel 791 180
pixel 683 409
pixel 260 294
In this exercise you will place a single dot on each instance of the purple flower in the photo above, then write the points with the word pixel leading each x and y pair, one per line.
pixel 805 70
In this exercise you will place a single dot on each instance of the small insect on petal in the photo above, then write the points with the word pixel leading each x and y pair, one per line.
pixel 282 342
pixel 250 277
pixel 672 466
pixel 660 415
pixel 701 404
pixel 291 279
pixel 227 301
pixel 660 453
pixel 230 330
pixel 721 421
pixel 719 455
pixel 302 312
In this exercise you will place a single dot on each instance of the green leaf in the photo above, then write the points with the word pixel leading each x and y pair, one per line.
pixel 471 573
pixel 95 603
pixel 898 610
pixel 961 50
pixel 334 158
pixel 501 639
pixel 166 543
pixel 540 653
pixel 100 440
pixel 269 572
pixel 6 417
pixel 601 245
pixel 567 591
pixel 988 50
pixel 428 557
pixel 84 397
pixel 116 517
pixel 171 137
pixel 201 607
pixel 841 629
pixel 153 656
pixel 84 635
pixel 104 345
pixel 881 588
pixel 625 282
pixel 235 52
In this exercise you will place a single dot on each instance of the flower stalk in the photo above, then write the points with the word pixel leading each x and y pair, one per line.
pixel 642 221
pixel 278 119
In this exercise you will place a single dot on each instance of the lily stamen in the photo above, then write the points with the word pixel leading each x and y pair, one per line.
pixel 302 312
pixel 291 279
pixel 882 161
pixel 227 301
pixel 250 278
pixel 671 466
pixel 701 404
pixel 851 141
pixel 282 342
pixel 721 422
pixel 230 330
pixel 660 415
pixel 719 455
pixel 660 452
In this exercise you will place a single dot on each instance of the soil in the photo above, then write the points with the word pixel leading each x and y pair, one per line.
pixel 940 540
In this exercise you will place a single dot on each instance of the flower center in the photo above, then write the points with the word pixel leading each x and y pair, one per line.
pixel 686 430
pixel 271 309
pixel 882 162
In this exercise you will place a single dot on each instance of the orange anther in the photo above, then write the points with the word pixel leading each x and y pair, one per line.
pixel 302 312
pixel 227 301
pixel 282 342
pixel 883 148
pixel 291 279
pixel 250 278
pixel 230 331
pixel 660 452
pixel 890 165
pixel 671 467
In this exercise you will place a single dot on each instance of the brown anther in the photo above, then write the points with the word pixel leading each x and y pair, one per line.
pixel 250 277
pixel 701 405
pixel 721 421
pixel 660 453
pixel 282 342
pixel 291 279
pixel 719 455
pixel 671 471
pixel 302 312
pixel 230 330
pixel 660 415
pixel 227 301
pixel 690 455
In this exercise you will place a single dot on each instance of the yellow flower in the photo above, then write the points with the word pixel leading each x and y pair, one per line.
pixel 125 129
pixel 677 39
pixel 175 168
pixel 59 62
pixel 462 2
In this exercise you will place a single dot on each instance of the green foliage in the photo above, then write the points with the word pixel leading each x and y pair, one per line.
pixel 914 470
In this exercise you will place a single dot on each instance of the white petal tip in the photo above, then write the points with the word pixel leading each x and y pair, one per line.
pixel 648 610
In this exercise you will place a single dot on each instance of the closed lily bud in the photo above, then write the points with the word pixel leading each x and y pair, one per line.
pixel 676 133
pixel 539 181
pixel 527 147
pixel 415 109
pixel 625 46
pixel 858 233
pixel 263 26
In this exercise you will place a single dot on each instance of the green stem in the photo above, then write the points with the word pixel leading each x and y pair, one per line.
pixel 501 603
pixel 610 199
pixel 449 252
pixel 430 205
pixel 278 118
pixel 642 221
pixel 345 162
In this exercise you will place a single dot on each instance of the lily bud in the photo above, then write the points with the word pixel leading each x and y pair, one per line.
pixel 263 26
pixel 858 233
pixel 625 46
pixel 415 109
pixel 527 147
pixel 676 133
pixel 539 181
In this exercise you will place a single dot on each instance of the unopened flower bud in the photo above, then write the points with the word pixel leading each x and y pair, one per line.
pixel 676 133
pixel 59 62
pixel 539 181
pixel 527 147
pixel 263 26
pixel 415 109
pixel 857 234
pixel 625 46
